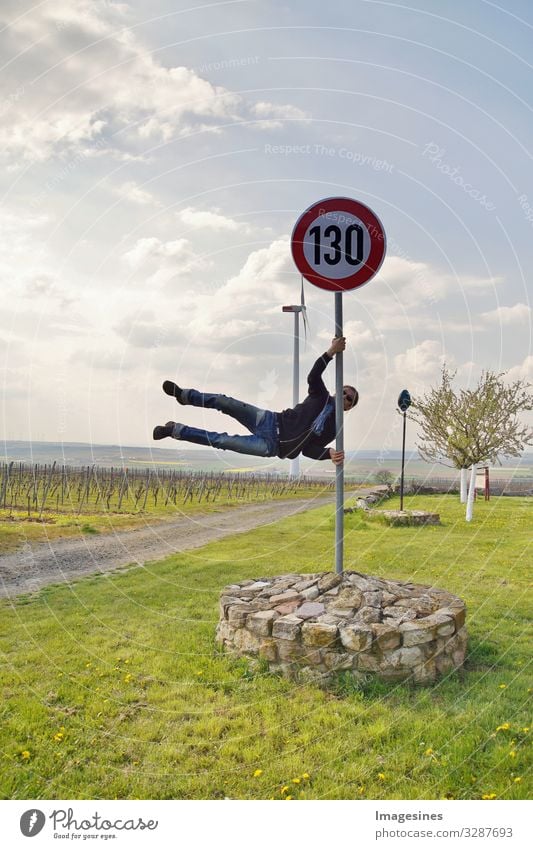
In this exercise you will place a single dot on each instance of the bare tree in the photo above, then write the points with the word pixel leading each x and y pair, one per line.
pixel 466 427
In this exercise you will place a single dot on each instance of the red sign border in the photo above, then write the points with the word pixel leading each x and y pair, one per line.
pixel 377 245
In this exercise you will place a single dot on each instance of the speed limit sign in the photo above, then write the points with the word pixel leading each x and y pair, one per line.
pixel 338 244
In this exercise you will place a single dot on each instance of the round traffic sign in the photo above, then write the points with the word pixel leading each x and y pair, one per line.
pixel 338 244
pixel 404 400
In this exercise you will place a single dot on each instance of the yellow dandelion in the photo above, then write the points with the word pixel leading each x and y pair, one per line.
pixel 361 789
pixel 199 672
pixel 489 796
pixel 258 773
pixel 59 736
pixel 429 752
pixel 503 686
pixel 127 660
pixel 25 755
pixel 525 730
pixel 128 677
pixel 306 776
pixel 288 798
pixel 381 776
pixel 296 780
pixel 518 779
pixel 504 727
pixel 512 753
pixel 284 789
pixel 87 665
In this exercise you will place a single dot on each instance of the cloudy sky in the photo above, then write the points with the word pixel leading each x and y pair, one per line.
pixel 156 155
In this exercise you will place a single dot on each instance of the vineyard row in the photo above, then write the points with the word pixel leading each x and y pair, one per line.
pixel 37 488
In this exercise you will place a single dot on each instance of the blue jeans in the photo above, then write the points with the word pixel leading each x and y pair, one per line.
pixel 262 424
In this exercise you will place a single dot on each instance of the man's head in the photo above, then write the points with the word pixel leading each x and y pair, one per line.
pixel 350 397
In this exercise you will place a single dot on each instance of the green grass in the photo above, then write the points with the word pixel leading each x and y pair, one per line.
pixel 113 686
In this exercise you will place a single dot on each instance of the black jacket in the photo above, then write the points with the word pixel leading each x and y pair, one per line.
pixel 295 433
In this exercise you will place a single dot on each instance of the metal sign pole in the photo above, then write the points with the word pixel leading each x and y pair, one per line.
pixel 355 245
pixel 404 402
pixel 296 360
pixel 403 461
pixel 339 444
pixel 294 469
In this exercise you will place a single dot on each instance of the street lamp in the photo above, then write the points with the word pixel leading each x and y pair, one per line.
pixel 404 402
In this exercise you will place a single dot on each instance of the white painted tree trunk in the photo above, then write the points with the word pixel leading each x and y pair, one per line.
pixel 464 474
pixel 470 498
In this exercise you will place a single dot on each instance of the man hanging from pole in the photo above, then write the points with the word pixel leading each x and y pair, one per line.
pixel 305 429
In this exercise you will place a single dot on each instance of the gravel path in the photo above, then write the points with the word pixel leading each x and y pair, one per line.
pixel 64 560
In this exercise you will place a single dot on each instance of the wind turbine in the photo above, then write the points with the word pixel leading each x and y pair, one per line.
pixel 294 469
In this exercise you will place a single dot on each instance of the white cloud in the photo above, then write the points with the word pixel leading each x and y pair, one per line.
pixel 28 276
pixel 274 115
pixel 44 288
pixel 93 87
pixel 134 193
pixel 418 284
pixel 356 333
pixel 422 362
pixel 199 219
pixel 98 84
pixel 264 276
pixel 517 314
pixel 150 329
pixel 523 371
pixel 161 261
pixel 238 312
pixel 112 360
pixel 229 330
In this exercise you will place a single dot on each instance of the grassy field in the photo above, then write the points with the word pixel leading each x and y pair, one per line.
pixel 113 687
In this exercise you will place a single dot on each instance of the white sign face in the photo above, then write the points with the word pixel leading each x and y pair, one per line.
pixel 336 244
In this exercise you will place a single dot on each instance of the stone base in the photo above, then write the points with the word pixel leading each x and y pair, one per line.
pixel 311 626
pixel 411 518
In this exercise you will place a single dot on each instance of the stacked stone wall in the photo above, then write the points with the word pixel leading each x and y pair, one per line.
pixel 314 625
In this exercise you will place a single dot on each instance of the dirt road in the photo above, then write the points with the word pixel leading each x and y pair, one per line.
pixel 65 560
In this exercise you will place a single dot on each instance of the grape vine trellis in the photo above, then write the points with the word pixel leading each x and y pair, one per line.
pixel 38 488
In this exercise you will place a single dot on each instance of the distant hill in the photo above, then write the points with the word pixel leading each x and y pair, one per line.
pixel 364 464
